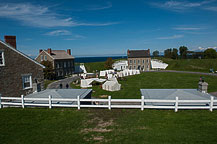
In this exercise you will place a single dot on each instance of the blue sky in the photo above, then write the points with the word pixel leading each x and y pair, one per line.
pixel 102 27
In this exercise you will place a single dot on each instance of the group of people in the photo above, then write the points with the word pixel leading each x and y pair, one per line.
pixel 61 86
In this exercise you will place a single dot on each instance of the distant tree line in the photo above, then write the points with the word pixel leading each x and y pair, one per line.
pixel 184 53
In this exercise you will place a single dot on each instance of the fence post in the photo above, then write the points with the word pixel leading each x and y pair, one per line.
pixel 22 101
pixel 142 103
pixel 176 104
pixel 78 97
pixel 50 102
pixel 0 101
pixel 211 103
pixel 109 102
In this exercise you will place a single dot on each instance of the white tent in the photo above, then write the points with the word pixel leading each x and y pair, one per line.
pixel 157 64
pixel 85 83
pixel 125 73
pixel 101 80
pixel 110 76
pixel 137 72
pixel 111 86
pixel 120 74
pixel 102 73
pixel 113 79
pixel 109 71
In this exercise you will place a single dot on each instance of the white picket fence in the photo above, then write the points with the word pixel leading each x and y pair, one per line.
pixel 107 103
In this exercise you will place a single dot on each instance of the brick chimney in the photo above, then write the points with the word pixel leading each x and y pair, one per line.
pixel 11 40
pixel 149 51
pixel 49 50
pixel 40 50
pixel 69 51
pixel 128 52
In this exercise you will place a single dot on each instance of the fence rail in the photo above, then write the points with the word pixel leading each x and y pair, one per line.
pixel 107 103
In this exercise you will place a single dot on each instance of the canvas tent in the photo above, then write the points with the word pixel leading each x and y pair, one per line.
pixel 102 73
pixel 85 83
pixel 111 86
pixel 157 64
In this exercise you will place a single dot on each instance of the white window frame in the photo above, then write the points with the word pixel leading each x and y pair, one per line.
pixel 42 57
pixel 29 76
pixel 45 58
pixel 3 58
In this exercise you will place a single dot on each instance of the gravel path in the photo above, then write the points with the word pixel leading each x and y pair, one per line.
pixel 56 84
pixel 200 73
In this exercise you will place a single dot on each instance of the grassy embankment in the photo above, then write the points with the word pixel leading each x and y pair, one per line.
pixel 198 65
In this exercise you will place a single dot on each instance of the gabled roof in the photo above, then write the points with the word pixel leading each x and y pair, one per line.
pixel 138 53
pixel 10 47
pixel 60 54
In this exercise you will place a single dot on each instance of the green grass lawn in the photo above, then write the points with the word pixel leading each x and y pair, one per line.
pixel 65 125
pixel 92 67
pixel 199 65
pixel 130 87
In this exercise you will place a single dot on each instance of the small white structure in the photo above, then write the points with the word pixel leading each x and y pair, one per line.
pixel 158 64
pixel 113 79
pixel 111 86
pixel 102 73
pixel 85 83
pixel 106 72
pixel 120 65
pixel 80 68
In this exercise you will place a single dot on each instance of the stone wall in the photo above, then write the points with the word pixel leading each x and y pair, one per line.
pixel 143 64
pixel 16 65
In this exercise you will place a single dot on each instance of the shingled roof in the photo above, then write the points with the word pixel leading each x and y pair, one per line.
pixel 138 53
pixel 60 54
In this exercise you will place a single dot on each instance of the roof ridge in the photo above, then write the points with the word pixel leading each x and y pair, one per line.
pixel 19 52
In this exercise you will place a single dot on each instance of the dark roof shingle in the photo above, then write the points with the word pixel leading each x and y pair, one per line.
pixel 138 53
pixel 60 54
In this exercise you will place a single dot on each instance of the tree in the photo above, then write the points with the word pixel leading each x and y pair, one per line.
pixel 108 63
pixel 168 53
pixel 156 53
pixel 183 52
pixel 174 53
pixel 48 70
pixel 210 53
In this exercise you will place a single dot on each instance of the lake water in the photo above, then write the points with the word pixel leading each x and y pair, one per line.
pixel 95 59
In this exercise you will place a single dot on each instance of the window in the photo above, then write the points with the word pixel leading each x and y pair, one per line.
pixel 130 61
pixel 27 81
pixel 42 57
pixel 64 64
pixel 134 61
pixel 68 63
pixel 138 61
pixel 45 58
pixel 2 60
pixel 143 61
